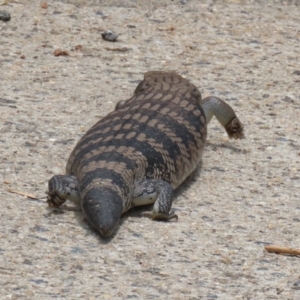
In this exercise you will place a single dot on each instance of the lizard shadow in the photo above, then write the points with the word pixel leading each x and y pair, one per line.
pixel 216 146
pixel 138 211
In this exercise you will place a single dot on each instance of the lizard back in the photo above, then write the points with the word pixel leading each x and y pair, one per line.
pixel 159 133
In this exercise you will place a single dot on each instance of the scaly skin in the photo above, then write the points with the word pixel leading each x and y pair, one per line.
pixel 143 150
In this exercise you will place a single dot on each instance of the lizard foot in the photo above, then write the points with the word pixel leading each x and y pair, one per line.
pixel 235 129
pixel 161 217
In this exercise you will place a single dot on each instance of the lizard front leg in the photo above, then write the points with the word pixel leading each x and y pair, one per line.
pixel 158 192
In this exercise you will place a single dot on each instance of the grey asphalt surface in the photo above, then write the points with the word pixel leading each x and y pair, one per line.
pixel 244 196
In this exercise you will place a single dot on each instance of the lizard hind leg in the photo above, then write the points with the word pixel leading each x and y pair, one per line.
pixel 103 208
pixel 61 188
pixel 158 192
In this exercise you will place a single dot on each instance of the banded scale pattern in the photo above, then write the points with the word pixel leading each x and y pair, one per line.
pixel 140 152
pixel 156 134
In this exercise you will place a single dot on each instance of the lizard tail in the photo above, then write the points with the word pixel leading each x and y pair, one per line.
pixel 103 209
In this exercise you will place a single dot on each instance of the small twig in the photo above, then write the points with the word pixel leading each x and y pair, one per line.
pixel 24 194
pixel 123 49
pixel 5 2
pixel 282 250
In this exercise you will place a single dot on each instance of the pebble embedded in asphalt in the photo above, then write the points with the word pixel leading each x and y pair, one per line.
pixel 109 36
pixel 4 16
